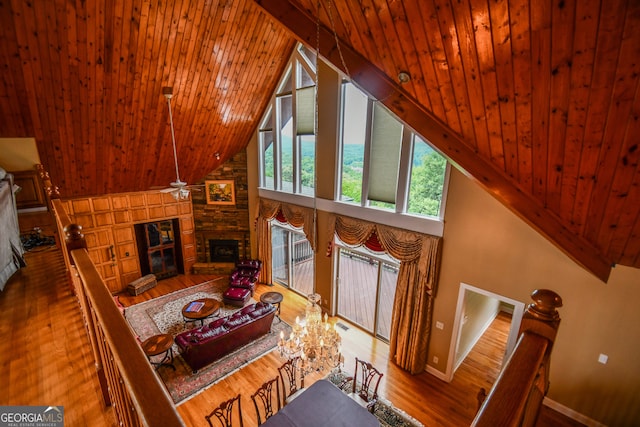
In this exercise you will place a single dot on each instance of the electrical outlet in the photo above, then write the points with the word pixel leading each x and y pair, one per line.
pixel 435 359
pixel 603 358
pixel 439 325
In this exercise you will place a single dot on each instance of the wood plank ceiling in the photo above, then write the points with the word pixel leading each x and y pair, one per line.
pixel 85 79
pixel 537 100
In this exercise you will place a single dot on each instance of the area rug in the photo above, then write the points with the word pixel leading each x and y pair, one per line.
pixel 164 315
pixel 385 412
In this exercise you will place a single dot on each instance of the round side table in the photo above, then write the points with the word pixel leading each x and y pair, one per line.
pixel 274 298
pixel 200 309
pixel 157 345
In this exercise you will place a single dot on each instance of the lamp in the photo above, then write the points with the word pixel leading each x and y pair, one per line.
pixel 313 339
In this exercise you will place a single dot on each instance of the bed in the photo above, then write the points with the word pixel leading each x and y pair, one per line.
pixel 11 249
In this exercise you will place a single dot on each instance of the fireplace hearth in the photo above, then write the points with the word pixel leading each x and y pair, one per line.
pixel 223 251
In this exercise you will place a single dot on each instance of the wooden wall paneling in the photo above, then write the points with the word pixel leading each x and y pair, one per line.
pixel 141 113
pixel 102 250
pixel 561 54
pixel 389 24
pixel 615 176
pixel 171 210
pixel 384 62
pixel 121 217
pixel 468 43
pixel 624 227
pixel 455 69
pixel 80 206
pixel 188 243
pixel 154 198
pixel 426 76
pixel 501 38
pixel 541 68
pixel 223 67
pixel 610 28
pixel 521 57
pixel 406 39
pixel 441 64
pixel 127 254
pixel 185 208
pixel 354 28
pixel 156 212
pixel 581 72
pixel 484 37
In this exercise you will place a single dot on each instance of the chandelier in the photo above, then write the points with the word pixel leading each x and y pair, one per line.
pixel 313 339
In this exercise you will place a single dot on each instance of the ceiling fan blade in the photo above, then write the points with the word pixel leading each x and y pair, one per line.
pixel 168 190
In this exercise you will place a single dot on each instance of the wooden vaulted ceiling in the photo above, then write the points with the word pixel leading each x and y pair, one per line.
pixel 535 99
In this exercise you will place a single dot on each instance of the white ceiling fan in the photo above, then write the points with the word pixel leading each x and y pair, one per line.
pixel 178 188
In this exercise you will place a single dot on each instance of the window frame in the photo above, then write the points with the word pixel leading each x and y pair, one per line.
pixel 405 163
pixel 293 76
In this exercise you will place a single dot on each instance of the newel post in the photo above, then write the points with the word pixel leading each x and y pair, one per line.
pixel 541 317
pixel 74 239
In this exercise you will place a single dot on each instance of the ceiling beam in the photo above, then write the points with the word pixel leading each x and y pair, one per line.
pixel 379 85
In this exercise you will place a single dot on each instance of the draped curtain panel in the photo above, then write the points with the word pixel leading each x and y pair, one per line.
pixel 419 256
pixel 297 216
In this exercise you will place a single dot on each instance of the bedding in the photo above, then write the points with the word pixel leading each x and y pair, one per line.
pixel 11 249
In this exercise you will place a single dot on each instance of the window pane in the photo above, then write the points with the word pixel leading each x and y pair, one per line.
pixel 427 180
pixel 354 119
pixel 388 281
pixel 357 288
pixel 266 141
pixel 307 161
pixel 302 271
pixel 285 120
pixel 304 79
pixel 280 255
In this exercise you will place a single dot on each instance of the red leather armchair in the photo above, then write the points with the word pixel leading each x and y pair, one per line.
pixel 246 274
pixel 242 282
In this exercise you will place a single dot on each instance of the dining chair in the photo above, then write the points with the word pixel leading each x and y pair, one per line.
pixel 224 414
pixel 289 375
pixel 365 381
pixel 263 399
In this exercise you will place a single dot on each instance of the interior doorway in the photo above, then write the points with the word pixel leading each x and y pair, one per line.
pixel 476 310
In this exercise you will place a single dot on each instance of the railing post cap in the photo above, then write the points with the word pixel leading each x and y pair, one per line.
pixel 545 303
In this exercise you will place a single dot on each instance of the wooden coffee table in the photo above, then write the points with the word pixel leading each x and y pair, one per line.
pixel 210 307
pixel 274 298
pixel 159 344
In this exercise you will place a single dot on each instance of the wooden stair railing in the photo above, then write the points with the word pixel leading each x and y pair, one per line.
pixel 127 379
pixel 516 396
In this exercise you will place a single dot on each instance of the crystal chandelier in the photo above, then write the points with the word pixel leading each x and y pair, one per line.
pixel 313 339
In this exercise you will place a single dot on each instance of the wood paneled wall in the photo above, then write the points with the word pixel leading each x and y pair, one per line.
pixel 108 225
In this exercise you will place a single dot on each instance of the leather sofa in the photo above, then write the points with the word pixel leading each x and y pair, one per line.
pixel 242 282
pixel 206 344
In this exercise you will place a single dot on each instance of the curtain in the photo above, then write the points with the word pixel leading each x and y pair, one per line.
pixel 419 256
pixel 297 216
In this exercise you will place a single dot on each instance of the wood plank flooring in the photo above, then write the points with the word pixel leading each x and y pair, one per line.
pixel 45 358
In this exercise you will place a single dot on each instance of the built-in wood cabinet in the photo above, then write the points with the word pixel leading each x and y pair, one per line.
pixel 31 194
pixel 159 248
pixel 109 225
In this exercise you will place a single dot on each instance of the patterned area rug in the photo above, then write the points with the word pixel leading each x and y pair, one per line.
pixel 164 315
pixel 385 412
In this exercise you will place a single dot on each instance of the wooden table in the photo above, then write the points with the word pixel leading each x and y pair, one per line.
pixel 159 344
pixel 210 307
pixel 323 404
pixel 274 298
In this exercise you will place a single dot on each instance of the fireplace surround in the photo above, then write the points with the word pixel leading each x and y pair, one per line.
pixel 226 250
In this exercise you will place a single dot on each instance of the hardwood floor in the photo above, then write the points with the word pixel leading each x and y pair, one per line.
pixel 46 359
